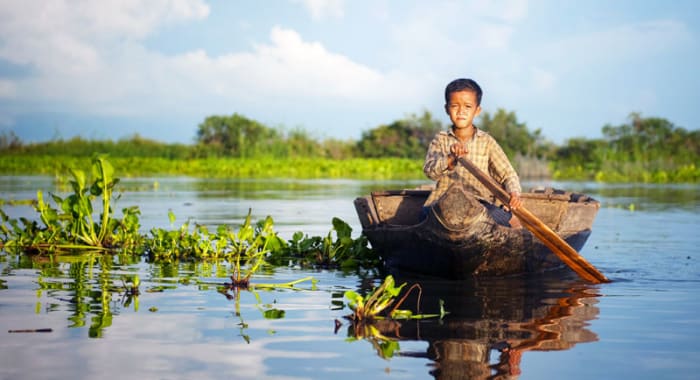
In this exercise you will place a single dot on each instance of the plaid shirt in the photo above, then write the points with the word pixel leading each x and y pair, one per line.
pixel 483 151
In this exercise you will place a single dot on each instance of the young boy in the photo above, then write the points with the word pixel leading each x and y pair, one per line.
pixel 463 104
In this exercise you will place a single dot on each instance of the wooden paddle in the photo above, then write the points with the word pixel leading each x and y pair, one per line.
pixel 553 241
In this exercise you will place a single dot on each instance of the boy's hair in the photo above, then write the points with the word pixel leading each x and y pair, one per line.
pixel 461 85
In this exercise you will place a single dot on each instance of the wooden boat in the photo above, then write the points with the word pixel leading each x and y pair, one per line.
pixel 459 239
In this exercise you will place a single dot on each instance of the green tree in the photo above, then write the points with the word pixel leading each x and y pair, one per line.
pixel 513 136
pixel 236 136
pixel 652 141
pixel 298 143
pixel 339 149
pixel 9 141
pixel 644 149
pixel 408 138
pixel 583 152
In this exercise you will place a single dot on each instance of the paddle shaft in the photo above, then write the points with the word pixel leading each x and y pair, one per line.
pixel 554 242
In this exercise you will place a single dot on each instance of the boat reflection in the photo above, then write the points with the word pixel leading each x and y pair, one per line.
pixel 491 323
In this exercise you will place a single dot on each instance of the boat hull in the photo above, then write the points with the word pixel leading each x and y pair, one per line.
pixel 458 239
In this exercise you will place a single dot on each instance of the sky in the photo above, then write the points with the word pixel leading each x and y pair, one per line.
pixel 109 69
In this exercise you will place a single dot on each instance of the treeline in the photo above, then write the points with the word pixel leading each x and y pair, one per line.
pixel 644 149
pixel 236 136
pixel 648 149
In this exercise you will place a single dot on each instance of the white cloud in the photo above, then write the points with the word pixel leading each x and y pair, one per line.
pixel 287 68
pixel 293 65
pixel 461 32
pixel 90 55
pixel 320 9
pixel 514 10
pixel 85 59
pixel 81 52
pixel 31 30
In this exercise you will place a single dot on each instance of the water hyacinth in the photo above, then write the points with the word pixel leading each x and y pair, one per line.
pixel 73 224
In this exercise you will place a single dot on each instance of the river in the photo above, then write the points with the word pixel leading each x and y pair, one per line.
pixel 645 324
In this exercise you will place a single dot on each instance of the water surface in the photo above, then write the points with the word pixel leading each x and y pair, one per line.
pixel 644 324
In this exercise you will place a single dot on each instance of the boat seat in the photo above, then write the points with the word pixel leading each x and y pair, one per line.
pixel 399 207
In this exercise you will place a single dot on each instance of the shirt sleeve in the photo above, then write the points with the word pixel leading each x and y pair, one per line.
pixel 501 169
pixel 436 159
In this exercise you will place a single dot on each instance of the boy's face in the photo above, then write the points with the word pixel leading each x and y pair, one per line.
pixel 462 108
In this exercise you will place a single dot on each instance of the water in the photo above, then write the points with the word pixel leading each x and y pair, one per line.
pixel 645 324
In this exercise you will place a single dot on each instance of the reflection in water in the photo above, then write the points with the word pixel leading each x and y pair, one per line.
pixel 491 323
pixel 649 197
pixel 93 288
pixel 90 288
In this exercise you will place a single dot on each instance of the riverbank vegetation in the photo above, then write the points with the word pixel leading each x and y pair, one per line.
pixel 645 149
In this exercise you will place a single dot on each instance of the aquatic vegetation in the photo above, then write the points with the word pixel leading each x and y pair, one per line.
pixel 73 224
pixel 373 315
pixel 232 291
pixel 375 305
pixel 249 244
pixel 385 346
pixel 340 251
pixel 72 229
pixel 131 291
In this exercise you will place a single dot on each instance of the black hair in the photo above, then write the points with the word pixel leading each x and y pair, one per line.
pixel 461 85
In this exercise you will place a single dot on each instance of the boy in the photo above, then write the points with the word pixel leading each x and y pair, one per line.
pixel 463 104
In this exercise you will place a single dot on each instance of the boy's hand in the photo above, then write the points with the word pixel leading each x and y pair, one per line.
pixel 515 201
pixel 458 150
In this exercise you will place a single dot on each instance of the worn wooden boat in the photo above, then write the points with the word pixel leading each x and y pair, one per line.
pixel 459 239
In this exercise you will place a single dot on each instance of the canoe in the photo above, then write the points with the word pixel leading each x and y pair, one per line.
pixel 458 239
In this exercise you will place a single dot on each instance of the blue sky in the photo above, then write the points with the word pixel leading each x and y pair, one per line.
pixel 109 69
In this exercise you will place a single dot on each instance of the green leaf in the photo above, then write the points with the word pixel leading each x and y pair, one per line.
pixel 388 348
pixel 58 200
pixel 342 229
pixel 442 309
pixel 297 236
pixel 80 179
pixel 273 314
pixel 402 314
pixel 354 299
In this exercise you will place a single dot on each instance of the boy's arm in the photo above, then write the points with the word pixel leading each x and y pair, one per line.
pixel 502 170
pixel 436 160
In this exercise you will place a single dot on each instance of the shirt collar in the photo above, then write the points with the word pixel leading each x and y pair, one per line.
pixel 478 132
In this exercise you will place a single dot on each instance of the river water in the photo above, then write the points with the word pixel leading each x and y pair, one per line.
pixel 643 325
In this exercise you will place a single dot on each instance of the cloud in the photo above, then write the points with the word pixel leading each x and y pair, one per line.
pixel 320 9
pixel 291 66
pixel 32 30
pixel 290 75
pixel 93 57
pixel 464 33
pixel 78 51
pixel 285 67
